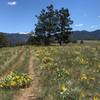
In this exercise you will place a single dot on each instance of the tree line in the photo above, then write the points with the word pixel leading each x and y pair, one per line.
pixel 3 40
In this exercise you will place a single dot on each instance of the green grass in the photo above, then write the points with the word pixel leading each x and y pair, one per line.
pixel 70 72
pixel 7 94
pixel 23 68
pixel 8 57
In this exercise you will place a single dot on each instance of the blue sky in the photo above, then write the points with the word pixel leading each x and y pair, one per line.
pixel 19 15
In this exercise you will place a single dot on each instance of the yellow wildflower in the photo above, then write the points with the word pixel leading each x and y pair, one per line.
pixel 63 88
pixel 67 72
pixel 83 61
pixel 83 77
pixel 1 85
pixel 96 98
pixel 13 83
pixel 92 78
pixel 47 60
pixel 82 94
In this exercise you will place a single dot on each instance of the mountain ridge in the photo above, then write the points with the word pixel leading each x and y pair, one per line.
pixel 86 35
pixel 76 35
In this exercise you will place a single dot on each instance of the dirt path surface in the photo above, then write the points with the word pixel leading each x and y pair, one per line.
pixel 30 93
pixel 17 64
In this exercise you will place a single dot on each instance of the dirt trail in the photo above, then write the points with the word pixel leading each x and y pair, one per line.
pixel 18 62
pixel 30 93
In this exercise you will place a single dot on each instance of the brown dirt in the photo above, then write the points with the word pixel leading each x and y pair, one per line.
pixel 30 93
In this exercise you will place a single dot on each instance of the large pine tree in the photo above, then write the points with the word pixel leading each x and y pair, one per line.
pixel 51 21
pixel 46 24
pixel 64 25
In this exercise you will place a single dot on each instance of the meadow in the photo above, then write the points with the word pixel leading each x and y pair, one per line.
pixel 70 72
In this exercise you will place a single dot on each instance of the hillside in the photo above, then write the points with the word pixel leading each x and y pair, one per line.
pixel 85 35
pixel 15 38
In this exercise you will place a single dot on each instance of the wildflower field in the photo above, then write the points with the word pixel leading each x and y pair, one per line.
pixel 13 71
pixel 70 72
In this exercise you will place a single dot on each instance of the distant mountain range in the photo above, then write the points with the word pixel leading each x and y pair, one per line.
pixel 85 35
pixel 15 38
pixel 77 35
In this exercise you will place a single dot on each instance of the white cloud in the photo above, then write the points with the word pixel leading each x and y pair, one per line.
pixel 12 3
pixel 93 26
pixel 79 25
pixel 98 16
pixel 23 32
